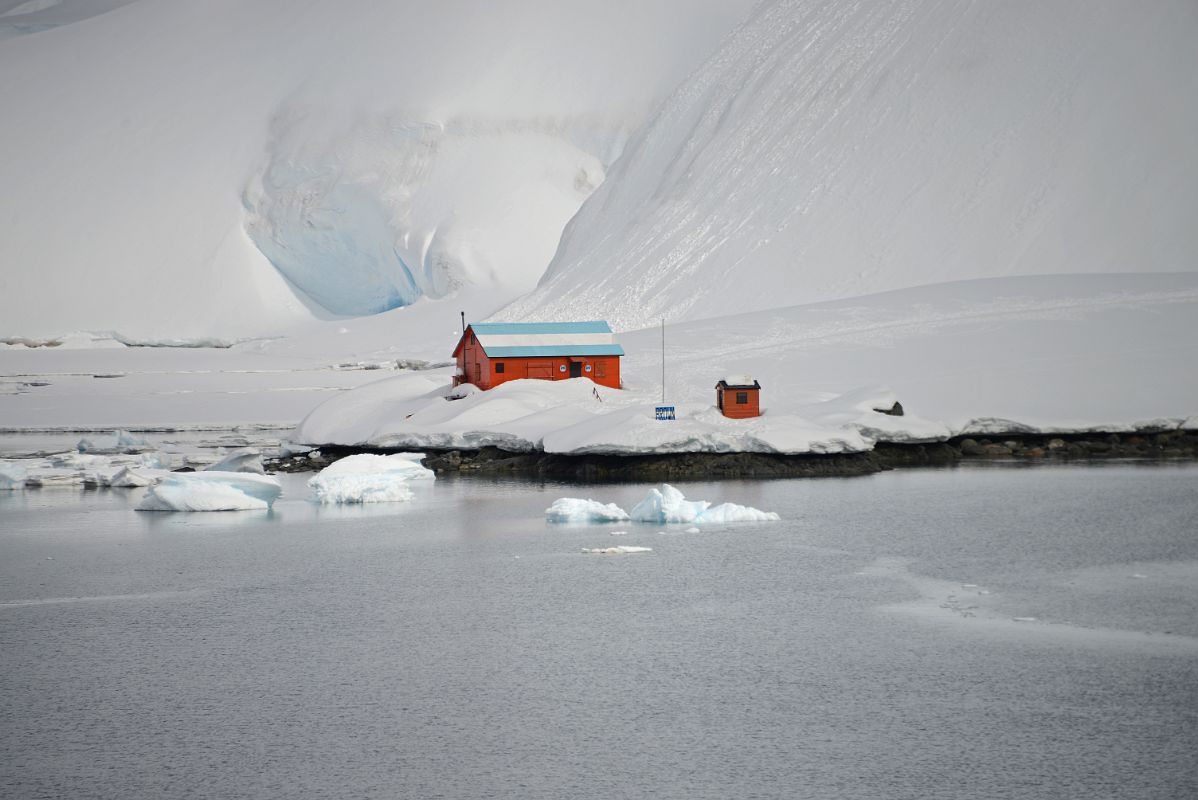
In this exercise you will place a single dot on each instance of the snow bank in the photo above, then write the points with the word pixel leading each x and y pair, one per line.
pixel 369 478
pixel 211 491
pixel 572 509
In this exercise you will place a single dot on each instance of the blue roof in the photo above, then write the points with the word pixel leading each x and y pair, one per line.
pixel 498 328
pixel 546 351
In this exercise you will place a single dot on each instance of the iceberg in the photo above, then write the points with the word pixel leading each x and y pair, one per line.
pixel 133 477
pixel 731 512
pixel 12 476
pixel 369 478
pixel 116 442
pixel 573 509
pixel 245 459
pixel 668 505
pixel 211 491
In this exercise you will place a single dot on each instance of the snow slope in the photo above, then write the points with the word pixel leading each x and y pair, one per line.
pixel 1042 353
pixel 834 149
pixel 225 168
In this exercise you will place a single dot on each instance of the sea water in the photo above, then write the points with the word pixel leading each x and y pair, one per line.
pixel 973 632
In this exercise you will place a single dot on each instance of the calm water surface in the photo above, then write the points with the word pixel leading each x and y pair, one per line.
pixel 983 633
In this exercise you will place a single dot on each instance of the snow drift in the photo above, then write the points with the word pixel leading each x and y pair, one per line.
pixel 836 149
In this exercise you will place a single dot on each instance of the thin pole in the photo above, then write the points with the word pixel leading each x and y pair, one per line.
pixel 663 361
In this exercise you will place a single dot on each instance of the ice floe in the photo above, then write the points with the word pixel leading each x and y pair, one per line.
pixel 616 551
pixel 12 476
pixel 211 491
pixel 572 509
pixel 667 504
pixel 116 442
pixel 660 506
pixel 245 459
pixel 369 478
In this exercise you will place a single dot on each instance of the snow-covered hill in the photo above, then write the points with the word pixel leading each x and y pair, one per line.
pixel 835 149
pixel 222 168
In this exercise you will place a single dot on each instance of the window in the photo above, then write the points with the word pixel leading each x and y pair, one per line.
pixel 742 398
pixel 498 367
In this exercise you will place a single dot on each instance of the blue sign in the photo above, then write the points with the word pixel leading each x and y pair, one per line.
pixel 665 412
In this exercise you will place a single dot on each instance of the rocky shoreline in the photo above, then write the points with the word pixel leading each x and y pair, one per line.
pixel 1019 448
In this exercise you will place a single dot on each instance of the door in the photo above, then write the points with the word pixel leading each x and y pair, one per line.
pixel 575 369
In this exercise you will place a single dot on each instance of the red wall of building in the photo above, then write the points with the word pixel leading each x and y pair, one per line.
pixel 730 408
pixel 475 367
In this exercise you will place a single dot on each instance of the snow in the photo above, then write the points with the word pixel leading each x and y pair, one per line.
pixel 369 478
pixel 975 210
pixel 211 491
pixel 572 509
pixel 830 151
pixel 330 158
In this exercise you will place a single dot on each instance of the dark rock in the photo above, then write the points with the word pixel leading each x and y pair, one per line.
pixel 1033 452
pixel 970 447
pixel 995 450
pixel 1057 444
pixel 895 410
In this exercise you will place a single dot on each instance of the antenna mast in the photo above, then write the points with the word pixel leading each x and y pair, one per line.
pixel 663 361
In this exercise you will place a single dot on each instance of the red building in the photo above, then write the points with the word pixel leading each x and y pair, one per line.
pixel 490 353
pixel 738 396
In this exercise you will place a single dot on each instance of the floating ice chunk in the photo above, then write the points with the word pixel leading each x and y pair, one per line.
pixel 117 442
pixel 53 477
pixel 157 460
pixel 245 459
pixel 573 509
pixel 615 551
pixel 668 505
pixel 731 512
pixel 368 478
pixel 12 476
pixel 132 477
pixel 211 491
pixel 79 460
pixel 619 533
pixel 692 529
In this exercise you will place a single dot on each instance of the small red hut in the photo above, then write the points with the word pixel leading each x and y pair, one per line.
pixel 490 353
pixel 738 396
